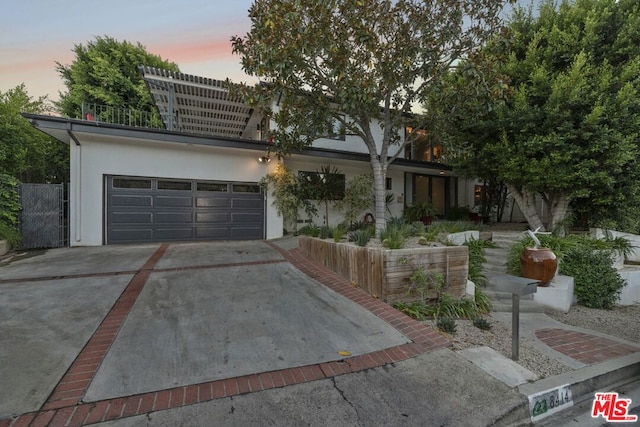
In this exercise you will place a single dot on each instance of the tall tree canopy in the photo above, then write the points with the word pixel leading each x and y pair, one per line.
pixel 570 130
pixel 356 63
pixel 26 153
pixel 105 71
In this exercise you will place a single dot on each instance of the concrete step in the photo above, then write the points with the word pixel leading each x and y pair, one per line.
pixel 495 264
pixel 496 251
pixel 497 259
pixel 504 244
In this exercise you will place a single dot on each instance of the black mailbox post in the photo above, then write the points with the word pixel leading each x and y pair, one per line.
pixel 517 286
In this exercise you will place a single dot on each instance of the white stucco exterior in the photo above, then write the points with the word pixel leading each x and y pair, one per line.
pixel 98 156
pixel 99 150
pixel 350 170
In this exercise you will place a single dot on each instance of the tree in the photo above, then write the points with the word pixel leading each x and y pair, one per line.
pixel 325 186
pixel 105 71
pixel 569 132
pixel 26 153
pixel 358 197
pixel 288 194
pixel 359 64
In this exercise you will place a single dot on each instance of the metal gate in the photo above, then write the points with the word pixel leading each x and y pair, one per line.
pixel 43 222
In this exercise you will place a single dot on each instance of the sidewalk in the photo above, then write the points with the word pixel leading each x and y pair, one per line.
pixel 419 382
pixel 599 361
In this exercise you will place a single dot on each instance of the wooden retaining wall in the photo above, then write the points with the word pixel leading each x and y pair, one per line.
pixel 384 272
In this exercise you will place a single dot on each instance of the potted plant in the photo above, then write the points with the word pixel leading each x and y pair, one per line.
pixel 538 262
pixel 422 211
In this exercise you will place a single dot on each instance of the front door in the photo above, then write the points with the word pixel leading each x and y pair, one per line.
pixel 429 188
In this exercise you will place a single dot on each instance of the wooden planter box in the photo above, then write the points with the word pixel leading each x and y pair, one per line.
pixel 385 272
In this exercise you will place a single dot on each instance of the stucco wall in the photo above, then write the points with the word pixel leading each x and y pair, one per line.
pixel 350 170
pixel 100 156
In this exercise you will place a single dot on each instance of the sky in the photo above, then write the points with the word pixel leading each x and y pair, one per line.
pixel 195 34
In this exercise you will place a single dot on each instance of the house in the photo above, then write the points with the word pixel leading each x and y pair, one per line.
pixel 197 177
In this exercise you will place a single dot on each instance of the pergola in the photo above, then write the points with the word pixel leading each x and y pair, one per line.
pixel 200 105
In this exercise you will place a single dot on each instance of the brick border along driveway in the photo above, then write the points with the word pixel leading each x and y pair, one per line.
pixel 64 407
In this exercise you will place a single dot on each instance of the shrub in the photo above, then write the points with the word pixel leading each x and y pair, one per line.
pixel 414 309
pixel 11 234
pixel 396 222
pixel 9 209
pixel 394 236
pixel 360 237
pixel 418 228
pixel 446 324
pixel 310 230
pixel 597 283
pixel 482 323
pixel 449 227
pixel 324 232
pixel 458 213
pixel 338 233
pixel 425 284
pixel 477 258
pixel 587 260
pixel 427 287
pixel 482 300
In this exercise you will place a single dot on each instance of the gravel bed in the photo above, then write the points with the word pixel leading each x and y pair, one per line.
pixel 621 322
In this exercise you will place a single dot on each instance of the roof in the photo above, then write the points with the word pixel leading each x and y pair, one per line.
pixel 67 130
pixel 199 105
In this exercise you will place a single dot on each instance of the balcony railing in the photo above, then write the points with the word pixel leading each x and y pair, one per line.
pixel 121 116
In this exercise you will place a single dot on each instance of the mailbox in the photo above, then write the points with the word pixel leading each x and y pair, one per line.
pixel 516 286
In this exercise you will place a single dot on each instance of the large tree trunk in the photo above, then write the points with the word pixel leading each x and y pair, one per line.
pixel 527 202
pixel 379 191
pixel 558 209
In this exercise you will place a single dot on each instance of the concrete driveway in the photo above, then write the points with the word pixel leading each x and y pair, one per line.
pixel 88 332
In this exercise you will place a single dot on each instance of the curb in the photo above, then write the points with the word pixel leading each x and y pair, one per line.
pixel 582 383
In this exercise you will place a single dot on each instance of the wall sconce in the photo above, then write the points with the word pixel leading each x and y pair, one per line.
pixel 441 172
pixel 264 159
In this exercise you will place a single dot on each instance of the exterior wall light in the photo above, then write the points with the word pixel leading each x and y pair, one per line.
pixel 264 159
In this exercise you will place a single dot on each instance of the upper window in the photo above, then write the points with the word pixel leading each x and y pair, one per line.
pixel 246 188
pixel 336 130
pixel 423 147
pixel 212 186
pixel 134 183
pixel 174 185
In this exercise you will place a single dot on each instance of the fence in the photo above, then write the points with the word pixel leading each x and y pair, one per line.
pixel 121 116
pixel 43 217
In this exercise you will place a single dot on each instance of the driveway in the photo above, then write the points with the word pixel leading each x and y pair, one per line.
pixel 87 331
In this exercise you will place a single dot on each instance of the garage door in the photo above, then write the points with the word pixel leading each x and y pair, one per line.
pixel 140 210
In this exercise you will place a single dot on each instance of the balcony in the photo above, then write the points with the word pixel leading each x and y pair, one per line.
pixel 121 116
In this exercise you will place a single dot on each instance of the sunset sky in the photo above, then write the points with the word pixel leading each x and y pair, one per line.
pixel 195 34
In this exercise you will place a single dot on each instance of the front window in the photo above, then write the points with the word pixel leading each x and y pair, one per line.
pixel 323 186
pixel 423 147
